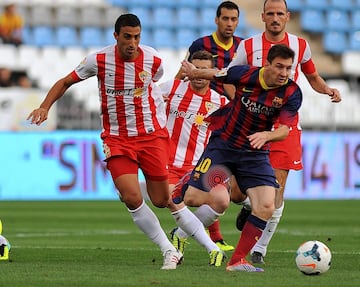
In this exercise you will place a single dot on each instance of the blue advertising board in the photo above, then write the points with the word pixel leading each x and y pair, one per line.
pixel 68 165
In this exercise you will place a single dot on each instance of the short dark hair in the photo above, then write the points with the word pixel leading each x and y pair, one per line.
pixel 203 55
pixel 227 5
pixel 126 20
pixel 280 50
pixel 279 0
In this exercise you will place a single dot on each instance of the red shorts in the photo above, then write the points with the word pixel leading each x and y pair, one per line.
pixel 287 154
pixel 175 173
pixel 125 155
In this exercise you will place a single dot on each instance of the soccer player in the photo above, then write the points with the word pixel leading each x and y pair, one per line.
pixel 239 144
pixel 133 121
pixel 188 103
pixel 222 44
pixel 284 155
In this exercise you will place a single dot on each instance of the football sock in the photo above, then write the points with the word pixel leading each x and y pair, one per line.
pixel 250 234
pixel 189 223
pixel 271 225
pixel 214 231
pixel 205 214
pixel 148 223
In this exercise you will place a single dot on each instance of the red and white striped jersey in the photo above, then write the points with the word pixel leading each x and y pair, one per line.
pixel 253 51
pixel 131 104
pixel 186 111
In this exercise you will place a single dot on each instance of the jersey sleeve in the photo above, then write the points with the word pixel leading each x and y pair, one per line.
pixel 87 67
pixel 291 108
pixel 307 64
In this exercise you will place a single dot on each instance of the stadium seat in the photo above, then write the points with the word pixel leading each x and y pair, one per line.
pixel 242 21
pixel 163 38
pixel 118 3
pixel 43 36
pixel 337 20
pixel 210 4
pixel 139 3
pixel 27 56
pixel 335 42
pixel 166 3
pixel 91 37
pixel 27 35
pixel 354 41
pixel 163 18
pixel 316 4
pixel 9 55
pixel 187 17
pixel 144 15
pixel 66 16
pixel 91 16
pixel 312 21
pixel 355 20
pixel 184 37
pixel 41 15
pixel 346 5
pixel 350 63
pixel 187 3
pixel 146 36
pixel 295 5
pixel 207 18
pixel 206 31
pixel 111 14
pixel 66 36
pixel 109 36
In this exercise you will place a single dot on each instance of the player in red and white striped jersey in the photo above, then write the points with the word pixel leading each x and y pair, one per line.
pixel 284 155
pixel 133 120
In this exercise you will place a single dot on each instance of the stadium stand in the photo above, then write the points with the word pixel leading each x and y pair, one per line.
pixel 75 28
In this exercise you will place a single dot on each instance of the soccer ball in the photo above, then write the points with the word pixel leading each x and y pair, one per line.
pixel 4 248
pixel 313 258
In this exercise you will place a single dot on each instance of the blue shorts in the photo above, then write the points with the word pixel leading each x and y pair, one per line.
pixel 216 165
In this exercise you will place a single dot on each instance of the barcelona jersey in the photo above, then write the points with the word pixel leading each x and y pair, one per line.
pixel 255 108
pixel 222 54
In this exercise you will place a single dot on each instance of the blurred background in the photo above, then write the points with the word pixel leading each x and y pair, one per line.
pixel 57 34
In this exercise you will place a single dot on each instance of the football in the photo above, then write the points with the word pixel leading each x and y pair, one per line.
pixel 4 248
pixel 313 258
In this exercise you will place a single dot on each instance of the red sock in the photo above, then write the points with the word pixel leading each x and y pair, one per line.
pixel 248 238
pixel 214 231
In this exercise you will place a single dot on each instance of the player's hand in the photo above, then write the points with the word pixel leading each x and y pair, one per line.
pixel 38 116
pixel 335 96
pixel 187 69
pixel 257 140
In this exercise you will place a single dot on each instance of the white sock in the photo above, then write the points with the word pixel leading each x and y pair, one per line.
pixel 206 215
pixel 148 223
pixel 189 223
pixel 143 190
pixel 262 244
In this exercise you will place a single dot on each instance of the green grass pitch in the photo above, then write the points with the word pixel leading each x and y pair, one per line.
pixel 95 243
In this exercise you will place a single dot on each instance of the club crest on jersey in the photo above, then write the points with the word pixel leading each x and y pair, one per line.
pixel 143 76
pixel 209 106
pixel 277 102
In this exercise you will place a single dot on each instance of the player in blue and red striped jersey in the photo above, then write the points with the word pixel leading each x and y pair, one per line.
pixel 222 44
pixel 285 155
pixel 239 145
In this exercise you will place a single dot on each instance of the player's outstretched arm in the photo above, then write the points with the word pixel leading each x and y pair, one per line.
pixel 39 115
